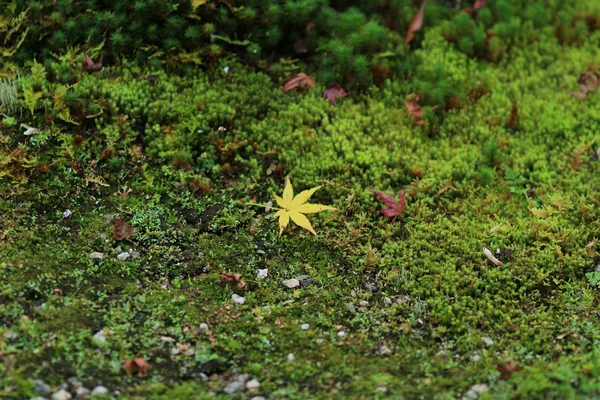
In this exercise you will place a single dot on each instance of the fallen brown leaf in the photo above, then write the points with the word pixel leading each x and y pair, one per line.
pixel 122 229
pixel 138 365
pixel 507 369
pixel 299 81
pixel 416 23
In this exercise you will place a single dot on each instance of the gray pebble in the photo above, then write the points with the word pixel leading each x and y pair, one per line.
pixel 305 327
pixel 238 299
pixel 62 394
pixel 82 391
pixel 96 256
pixel 123 256
pixel 238 384
pixel 488 341
pixel 203 327
pixel 42 387
pixel 66 214
pixel 291 283
pixel 99 390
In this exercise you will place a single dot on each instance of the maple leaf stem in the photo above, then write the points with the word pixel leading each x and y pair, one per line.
pixel 264 205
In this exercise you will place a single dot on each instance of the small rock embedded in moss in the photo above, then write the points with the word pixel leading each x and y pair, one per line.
pixel 99 390
pixel 61 395
pixel 488 341
pixel 123 256
pixel 82 391
pixel 237 384
pixel 291 357
pixel 203 327
pixel 262 273
pixel 42 387
pixel 291 283
pixel 238 299
pixel 387 301
pixel 67 213
pixel 341 333
pixel 252 385
pixel 305 327
pixel 96 256
pixel 385 351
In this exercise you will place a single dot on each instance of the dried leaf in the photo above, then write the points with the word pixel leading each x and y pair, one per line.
pixel 334 91
pixel 414 109
pixel 394 208
pixel 476 6
pixel 294 208
pixel 491 257
pixel 507 369
pixel 513 120
pixel 138 365
pixel 299 81
pixel 89 65
pixel 122 230
pixel 416 23
pixel 588 82
pixel 233 279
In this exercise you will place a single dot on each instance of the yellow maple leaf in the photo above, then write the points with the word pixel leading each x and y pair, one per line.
pixel 294 208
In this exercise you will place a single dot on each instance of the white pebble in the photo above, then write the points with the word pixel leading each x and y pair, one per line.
pixel 305 327
pixel 291 357
pixel 238 299
pixel 263 273
pixel 341 333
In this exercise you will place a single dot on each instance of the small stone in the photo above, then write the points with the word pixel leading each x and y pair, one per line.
pixel 237 384
pixel 123 256
pixel 291 283
pixel 74 382
pixel 385 351
pixel 261 252
pixel 387 300
pixel 381 389
pixel 305 327
pixel 252 385
pixel 306 282
pixel 99 337
pixel 99 390
pixel 62 395
pixel 341 333
pixel 67 213
pixel 476 357
pixel 238 299
pixel 291 357
pixel 351 307
pixel 203 327
pixel 480 388
pixel 363 303
pixel 471 395
pixel 135 254
pixel 263 273
pixel 258 398
pixel 82 391
pixel 319 341
pixel 42 387
pixel 488 341
pixel 38 398
pixel 96 256
pixel 370 287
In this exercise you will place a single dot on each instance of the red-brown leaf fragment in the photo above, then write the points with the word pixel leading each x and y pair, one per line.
pixel 507 369
pixel 233 279
pixel 393 207
pixel 476 6
pixel 89 65
pixel 299 81
pixel 138 365
pixel 588 82
pixel 415 110
pixel 122 229
pixel 334 91
pixel 416 23
pixel 513 120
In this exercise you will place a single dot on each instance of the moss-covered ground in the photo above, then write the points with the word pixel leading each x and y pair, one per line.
pixel 411 309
